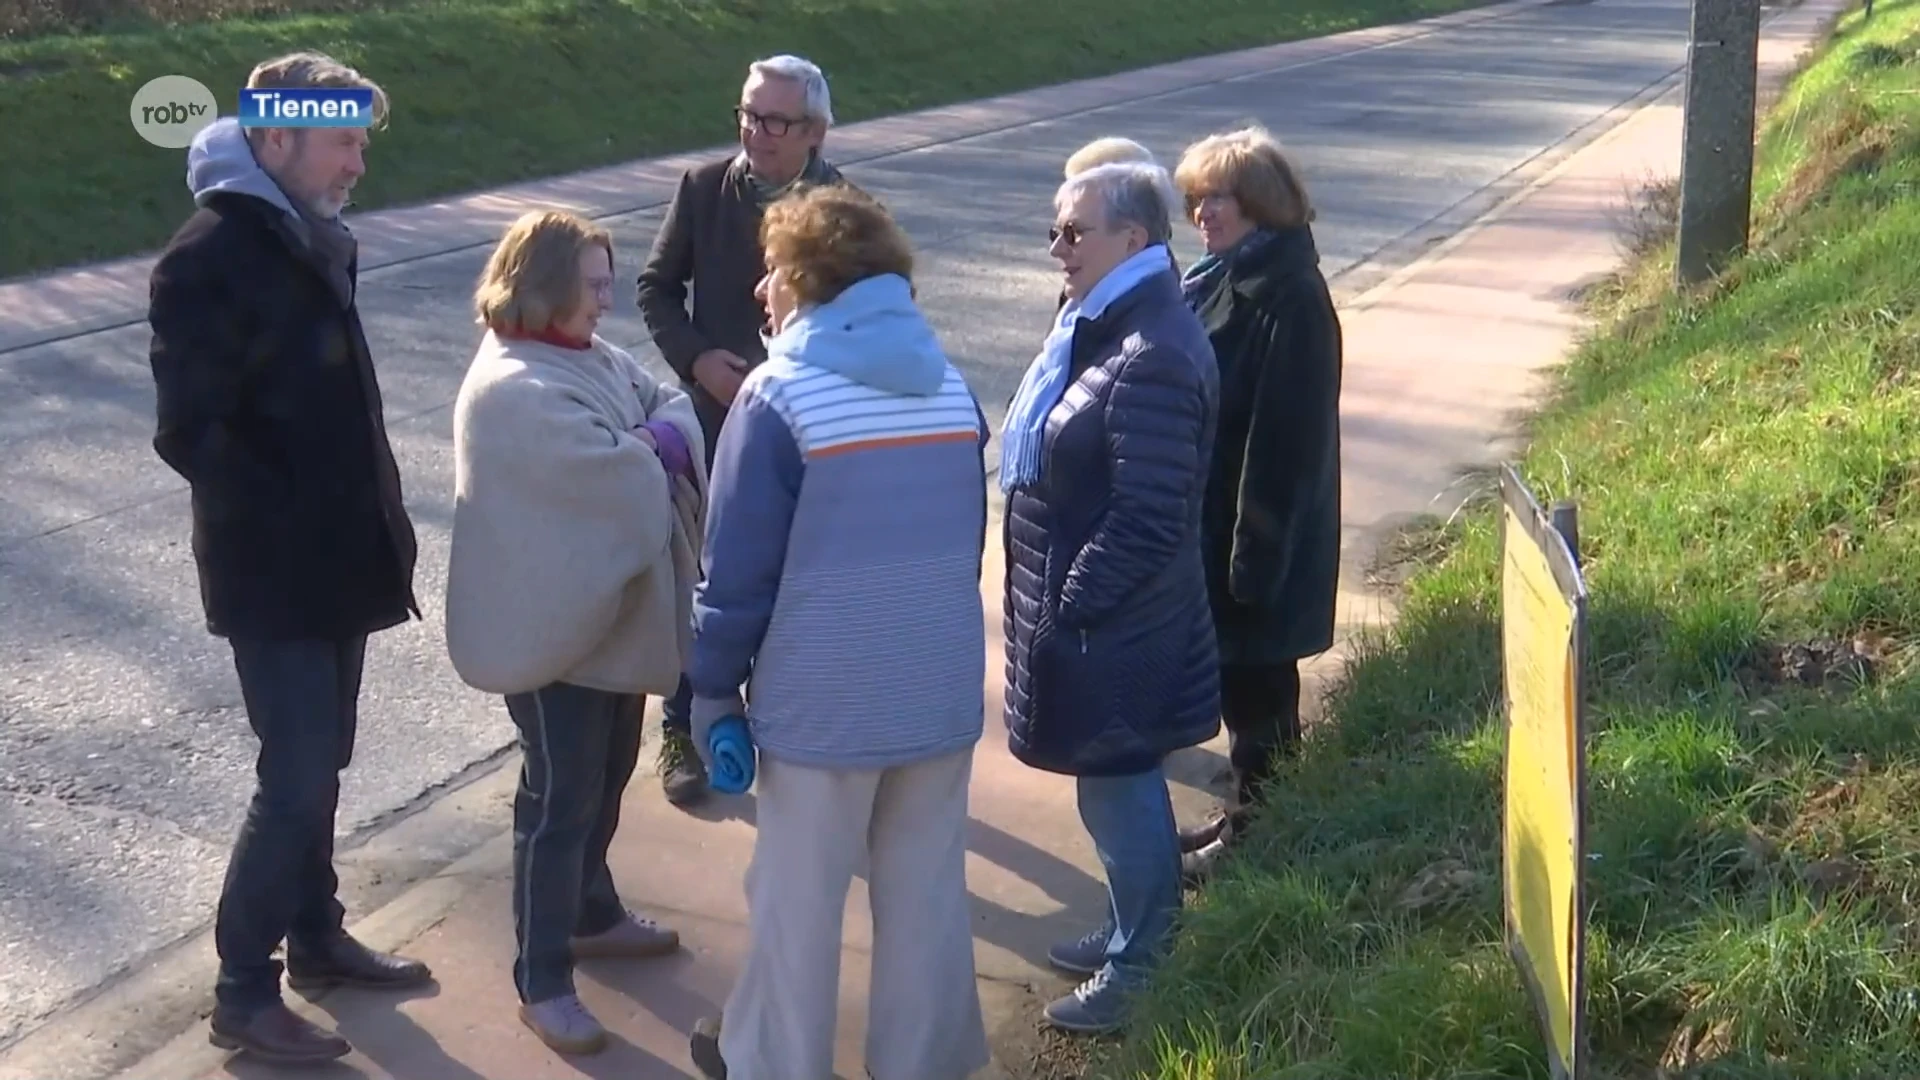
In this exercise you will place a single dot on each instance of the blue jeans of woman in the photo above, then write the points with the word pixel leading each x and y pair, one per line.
pixel 1130 819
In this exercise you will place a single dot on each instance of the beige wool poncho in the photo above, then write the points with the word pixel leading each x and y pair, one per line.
pixel 574 551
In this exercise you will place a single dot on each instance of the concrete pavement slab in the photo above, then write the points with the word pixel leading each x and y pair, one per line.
pixel 116 703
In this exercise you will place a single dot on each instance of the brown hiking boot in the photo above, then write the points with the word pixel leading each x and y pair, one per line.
pixel 278 1035
pixel 682 774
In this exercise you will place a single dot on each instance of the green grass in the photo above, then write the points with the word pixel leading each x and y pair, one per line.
pixel 493 91
pixel 1747 463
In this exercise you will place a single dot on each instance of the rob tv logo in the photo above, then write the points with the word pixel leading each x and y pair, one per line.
pixel 171 110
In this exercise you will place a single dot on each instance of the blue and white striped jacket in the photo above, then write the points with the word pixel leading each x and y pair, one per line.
pixel 844 535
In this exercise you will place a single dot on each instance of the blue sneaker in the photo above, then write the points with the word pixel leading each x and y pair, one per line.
pixel 1096 1007
pixel 1082 957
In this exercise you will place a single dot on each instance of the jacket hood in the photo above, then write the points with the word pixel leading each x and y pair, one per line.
pixel 871 333
pixel 220 160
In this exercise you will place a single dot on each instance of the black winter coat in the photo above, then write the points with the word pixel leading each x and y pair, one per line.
pixel 1110 654
pixel 268 407
pixel 1273 499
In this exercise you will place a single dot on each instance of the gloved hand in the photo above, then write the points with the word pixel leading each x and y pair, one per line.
pixel 675 455
pixel 704 713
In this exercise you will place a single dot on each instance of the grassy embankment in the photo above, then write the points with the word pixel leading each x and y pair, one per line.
pixel 1747 464
pixel 493 91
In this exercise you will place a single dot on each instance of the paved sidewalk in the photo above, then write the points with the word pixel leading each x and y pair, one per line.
pixel 1440 356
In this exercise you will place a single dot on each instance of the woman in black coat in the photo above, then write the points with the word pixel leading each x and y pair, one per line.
pixel 1272 519
pixel 1110 655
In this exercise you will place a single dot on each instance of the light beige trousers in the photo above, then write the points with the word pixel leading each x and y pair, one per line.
pixel 815 826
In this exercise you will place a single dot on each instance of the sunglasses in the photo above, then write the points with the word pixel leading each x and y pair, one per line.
pixel 1071 232
pixel 772 125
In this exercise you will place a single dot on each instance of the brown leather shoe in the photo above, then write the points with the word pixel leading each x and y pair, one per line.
pixel 346 962
pixel 278 1035
pixel 1199 836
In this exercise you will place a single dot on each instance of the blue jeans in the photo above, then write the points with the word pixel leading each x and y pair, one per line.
pixel 302 700
pixel 1130 819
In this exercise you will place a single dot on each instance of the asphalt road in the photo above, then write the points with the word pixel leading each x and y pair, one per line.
pixel 125 759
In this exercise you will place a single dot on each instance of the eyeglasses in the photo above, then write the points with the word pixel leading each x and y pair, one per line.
pixel 599 287
pixel 772 125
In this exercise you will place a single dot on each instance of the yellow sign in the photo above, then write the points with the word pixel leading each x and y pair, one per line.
pixel 1542 602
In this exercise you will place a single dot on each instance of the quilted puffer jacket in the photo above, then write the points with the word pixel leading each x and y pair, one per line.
pixel 1111 663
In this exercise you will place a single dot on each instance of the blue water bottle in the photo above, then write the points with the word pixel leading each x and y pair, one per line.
pixel 730 744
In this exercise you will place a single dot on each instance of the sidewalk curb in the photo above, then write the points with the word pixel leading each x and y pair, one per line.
pixel 59 305
pixel 145 1016
pixel 388 929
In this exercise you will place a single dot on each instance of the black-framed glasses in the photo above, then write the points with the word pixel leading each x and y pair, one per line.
pixel 773 125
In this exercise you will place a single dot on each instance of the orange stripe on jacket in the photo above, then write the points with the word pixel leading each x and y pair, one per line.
pixel 897 440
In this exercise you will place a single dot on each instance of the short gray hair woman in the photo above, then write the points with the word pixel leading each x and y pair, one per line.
pixel 1145 173
pixel 1110 658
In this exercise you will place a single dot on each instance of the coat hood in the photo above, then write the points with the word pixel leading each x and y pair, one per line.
pixel 220 160
pixel 871 333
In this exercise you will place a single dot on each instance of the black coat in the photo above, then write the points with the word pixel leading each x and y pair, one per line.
pixel 1110 653
pixel 1273 499
pixel 268 407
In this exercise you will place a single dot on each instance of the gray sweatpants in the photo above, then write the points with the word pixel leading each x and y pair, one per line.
pixel 923 1009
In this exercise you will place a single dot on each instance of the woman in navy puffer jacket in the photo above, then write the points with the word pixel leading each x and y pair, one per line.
pixel 1111 662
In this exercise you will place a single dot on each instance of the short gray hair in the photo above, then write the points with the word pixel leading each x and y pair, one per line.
pixel 807 74
pixel 1131 193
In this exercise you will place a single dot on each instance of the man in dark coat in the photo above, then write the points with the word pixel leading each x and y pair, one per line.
pixel 1272 530
pixel 1110 654
pixel 269 408
pixel 710 241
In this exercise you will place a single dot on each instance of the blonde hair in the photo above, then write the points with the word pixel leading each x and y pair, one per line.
pixel 1111 150
pixel 1249 165
pixel 302 70
pixel 533 277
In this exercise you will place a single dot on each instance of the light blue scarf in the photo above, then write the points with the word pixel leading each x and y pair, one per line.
pixel 1047 377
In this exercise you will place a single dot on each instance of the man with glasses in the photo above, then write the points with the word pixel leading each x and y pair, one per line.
pixel 710 241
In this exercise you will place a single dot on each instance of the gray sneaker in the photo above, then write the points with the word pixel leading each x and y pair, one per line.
pixel 1095 1007
pixel 565 1025
pixel 632 937
pixel 1082 957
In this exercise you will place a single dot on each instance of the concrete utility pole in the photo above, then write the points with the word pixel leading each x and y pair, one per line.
pixel 1716 159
